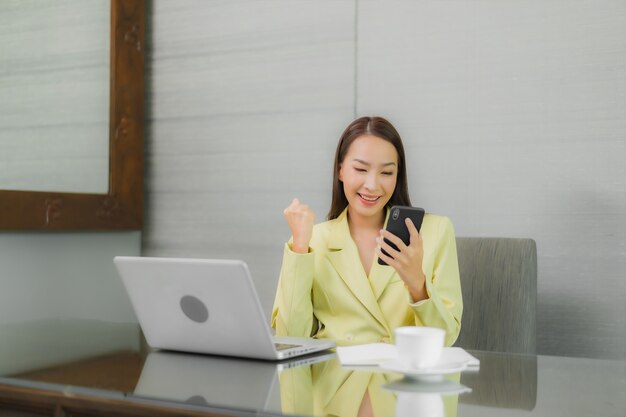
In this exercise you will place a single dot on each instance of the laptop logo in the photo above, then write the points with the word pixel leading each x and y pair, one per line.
pixel 194 309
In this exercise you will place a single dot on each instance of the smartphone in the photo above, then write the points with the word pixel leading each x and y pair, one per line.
pixel 397 226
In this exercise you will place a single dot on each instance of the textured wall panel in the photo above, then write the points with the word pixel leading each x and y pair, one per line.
pixel 246 102
pixel 513 113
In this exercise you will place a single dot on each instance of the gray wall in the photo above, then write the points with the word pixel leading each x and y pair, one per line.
pixel 512 113
pixel 54 286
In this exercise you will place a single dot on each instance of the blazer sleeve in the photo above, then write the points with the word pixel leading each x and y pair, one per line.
pixel 292 314
pixel 444 307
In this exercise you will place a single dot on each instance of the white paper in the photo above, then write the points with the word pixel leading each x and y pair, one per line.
pixel 367 354
pixel 377 353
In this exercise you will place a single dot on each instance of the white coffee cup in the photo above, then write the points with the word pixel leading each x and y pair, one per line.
pixel 419 347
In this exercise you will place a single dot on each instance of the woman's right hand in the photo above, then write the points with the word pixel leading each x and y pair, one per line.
pixel 301 219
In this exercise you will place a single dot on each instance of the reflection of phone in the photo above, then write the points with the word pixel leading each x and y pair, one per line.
pixel 397 226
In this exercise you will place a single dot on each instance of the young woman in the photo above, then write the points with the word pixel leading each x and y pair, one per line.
pixel 331 285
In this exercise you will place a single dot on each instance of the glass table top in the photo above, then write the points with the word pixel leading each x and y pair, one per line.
pixel 110 360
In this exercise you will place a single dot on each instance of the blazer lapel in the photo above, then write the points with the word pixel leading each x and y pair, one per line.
pixel 342 255
pixel 380 275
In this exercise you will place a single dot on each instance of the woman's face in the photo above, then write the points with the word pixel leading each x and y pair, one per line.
pixel 369 173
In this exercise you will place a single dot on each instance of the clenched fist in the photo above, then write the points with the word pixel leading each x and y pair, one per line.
pixel 301 219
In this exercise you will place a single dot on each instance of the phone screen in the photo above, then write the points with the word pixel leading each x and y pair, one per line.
pixel 397 226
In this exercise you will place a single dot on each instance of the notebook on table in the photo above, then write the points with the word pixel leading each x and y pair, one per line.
pixel 204 306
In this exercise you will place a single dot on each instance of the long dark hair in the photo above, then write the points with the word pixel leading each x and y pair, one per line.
pixel 381 128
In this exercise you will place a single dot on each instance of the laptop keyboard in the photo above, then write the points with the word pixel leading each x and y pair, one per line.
pixel 283 346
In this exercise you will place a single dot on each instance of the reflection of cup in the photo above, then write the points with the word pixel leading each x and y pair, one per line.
pixel 409 404
pixel 419 347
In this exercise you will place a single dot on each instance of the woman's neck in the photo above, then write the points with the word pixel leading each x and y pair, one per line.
pixel 358 222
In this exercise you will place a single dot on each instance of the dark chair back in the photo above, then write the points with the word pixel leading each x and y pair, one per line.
pixel 499 285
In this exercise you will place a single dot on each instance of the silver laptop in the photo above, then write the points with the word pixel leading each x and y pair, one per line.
pixel 209 380
pixel 204 306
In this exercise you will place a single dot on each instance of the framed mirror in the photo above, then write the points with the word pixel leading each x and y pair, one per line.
pixel 121 208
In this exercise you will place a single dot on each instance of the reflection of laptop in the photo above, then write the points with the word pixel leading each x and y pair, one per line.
pixel 216 381
pixel 204 306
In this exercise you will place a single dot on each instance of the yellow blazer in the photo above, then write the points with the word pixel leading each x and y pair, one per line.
pixel 326 294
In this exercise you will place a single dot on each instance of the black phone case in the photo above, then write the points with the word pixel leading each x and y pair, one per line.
pixel 396 224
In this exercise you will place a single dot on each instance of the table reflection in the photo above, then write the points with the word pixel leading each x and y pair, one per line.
pixel 39 344
pixel 327 388
pixel 427 396
pixel 503 381
pixel 203 380
pixel 314 386
pixel 91 363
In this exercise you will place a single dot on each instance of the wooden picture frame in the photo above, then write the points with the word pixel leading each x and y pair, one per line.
pixel 122 207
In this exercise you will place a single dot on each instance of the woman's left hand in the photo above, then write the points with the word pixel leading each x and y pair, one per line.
pixel 406 260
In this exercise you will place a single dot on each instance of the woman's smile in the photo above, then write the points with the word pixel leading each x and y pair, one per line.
pixel 368 200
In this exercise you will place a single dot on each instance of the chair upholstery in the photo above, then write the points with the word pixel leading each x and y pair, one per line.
pixel 499 285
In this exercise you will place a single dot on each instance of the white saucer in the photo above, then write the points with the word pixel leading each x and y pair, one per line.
pixel 442 368
pixel 442 387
